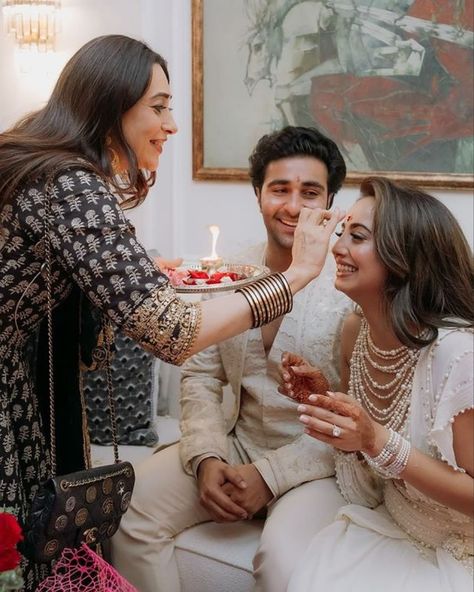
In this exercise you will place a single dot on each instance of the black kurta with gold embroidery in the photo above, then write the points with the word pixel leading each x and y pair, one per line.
pixel 94 251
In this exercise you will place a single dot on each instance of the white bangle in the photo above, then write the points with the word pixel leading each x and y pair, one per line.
pixel 393 458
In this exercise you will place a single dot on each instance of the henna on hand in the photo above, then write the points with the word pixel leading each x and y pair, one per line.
pixel 303 379
pixel 312 383
pixel 339 407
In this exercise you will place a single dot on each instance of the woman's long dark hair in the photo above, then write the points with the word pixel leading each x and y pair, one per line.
pixel 428 260
pixel 101 81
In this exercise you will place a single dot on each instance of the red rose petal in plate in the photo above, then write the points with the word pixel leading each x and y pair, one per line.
pixel 234 276
pixel 216 277
pixel 196 274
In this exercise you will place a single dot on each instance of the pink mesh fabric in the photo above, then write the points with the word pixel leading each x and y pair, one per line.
pixel 82 570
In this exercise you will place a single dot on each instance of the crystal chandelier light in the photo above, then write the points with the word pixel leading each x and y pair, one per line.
pixel 33 23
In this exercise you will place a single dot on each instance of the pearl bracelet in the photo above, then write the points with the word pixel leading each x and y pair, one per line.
pixel 393 458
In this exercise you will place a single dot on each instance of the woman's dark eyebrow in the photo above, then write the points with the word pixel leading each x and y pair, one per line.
pixel 161 95
pixel 355 225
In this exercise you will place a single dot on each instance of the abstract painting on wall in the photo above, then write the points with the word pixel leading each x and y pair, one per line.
pixel 391 81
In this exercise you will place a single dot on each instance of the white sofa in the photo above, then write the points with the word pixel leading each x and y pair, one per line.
pixel 211 557
pixel 218 557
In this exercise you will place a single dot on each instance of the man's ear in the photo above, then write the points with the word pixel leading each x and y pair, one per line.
pixel 330 200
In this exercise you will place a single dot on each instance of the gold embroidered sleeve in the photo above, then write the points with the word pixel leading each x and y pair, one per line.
pixel 165 325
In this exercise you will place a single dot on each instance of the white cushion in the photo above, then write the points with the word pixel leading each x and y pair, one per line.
pixel 219 557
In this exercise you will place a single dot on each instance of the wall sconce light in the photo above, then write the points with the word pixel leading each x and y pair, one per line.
pixel 33 23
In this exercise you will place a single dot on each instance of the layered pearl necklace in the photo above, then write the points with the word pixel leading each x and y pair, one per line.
pixel 399 363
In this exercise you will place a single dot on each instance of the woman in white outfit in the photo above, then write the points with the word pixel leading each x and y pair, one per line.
pixel 404 434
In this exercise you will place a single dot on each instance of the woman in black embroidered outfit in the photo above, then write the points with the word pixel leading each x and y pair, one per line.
pixel 109 114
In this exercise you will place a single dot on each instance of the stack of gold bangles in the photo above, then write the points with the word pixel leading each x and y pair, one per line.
pixel 268 298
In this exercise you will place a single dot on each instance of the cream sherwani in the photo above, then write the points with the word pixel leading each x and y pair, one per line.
pixel 263 429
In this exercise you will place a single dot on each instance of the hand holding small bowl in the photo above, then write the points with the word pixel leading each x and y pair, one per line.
pixel 333 418
pixel 300 379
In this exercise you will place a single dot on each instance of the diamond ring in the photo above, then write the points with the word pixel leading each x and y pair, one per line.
pixel 336 431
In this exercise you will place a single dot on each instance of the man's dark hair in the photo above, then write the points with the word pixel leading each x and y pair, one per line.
pixel 298 141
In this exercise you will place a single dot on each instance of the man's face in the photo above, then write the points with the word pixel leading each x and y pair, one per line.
pixel 289 184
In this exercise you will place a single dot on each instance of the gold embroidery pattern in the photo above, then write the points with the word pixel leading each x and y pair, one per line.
pixel 165 325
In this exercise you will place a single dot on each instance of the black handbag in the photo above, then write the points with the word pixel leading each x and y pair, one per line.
pixel 84 506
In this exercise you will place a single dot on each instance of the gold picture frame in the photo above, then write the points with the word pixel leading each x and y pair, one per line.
pixel 418 140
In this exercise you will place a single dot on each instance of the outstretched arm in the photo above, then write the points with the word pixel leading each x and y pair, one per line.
pixel 94 245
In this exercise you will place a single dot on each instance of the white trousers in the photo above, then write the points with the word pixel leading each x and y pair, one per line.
pixel 165 502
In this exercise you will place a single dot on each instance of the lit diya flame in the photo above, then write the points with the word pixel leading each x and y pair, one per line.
pixel 213 261
pixel 215 231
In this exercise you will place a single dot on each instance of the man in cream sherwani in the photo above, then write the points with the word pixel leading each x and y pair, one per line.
pixel 258 462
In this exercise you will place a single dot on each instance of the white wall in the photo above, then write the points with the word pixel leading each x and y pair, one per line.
pixel 176 215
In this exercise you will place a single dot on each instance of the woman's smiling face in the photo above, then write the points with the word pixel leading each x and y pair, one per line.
pixel 360 272
pixel 148 123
